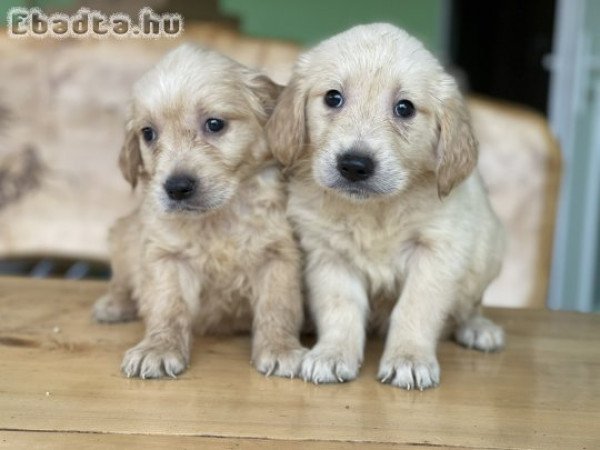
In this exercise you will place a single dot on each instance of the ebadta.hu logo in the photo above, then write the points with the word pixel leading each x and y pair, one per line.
pixel 33 22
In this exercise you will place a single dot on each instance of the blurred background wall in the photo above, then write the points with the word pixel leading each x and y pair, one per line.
pixel 544 54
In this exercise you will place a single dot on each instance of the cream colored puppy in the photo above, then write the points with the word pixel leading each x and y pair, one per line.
pixel 210 247
pixel 394 220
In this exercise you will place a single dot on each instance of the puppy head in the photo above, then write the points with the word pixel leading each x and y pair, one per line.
pixel 371 112
pixel 196 129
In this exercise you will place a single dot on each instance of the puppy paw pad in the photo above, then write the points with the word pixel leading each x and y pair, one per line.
pixel 328 366
pixel 110 310
pixel 281 363
pixel 153 361
pixel 481 334
pixel 409 372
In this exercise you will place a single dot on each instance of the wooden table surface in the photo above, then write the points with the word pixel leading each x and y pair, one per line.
pixel 60 387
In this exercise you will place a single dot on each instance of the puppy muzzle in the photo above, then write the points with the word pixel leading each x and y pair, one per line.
pixel 180 187
pixel 355 166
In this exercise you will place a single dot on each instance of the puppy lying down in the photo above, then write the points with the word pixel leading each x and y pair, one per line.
pixel 209 248
pixel 395 223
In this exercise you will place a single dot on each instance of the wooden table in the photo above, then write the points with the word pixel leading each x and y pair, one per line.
pixel 60 386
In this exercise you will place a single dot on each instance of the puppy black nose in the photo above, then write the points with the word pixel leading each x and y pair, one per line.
pixel 180 187
pixel 355 166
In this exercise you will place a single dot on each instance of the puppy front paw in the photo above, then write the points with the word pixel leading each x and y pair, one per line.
pixel 409 370
pixel 111 309
pixel 154 359
pixel 481 334
pixel 281 362
pixel 328 364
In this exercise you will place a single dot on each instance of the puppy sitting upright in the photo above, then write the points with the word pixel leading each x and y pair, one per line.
pixel 394 220
pixel 210 247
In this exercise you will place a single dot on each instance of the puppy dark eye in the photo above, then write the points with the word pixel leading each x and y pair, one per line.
pixel 404 109
pixel 334 99
pixel 214 125
pixel 148 134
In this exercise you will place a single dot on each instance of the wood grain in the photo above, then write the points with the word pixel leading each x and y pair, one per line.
pixel 15 440
pixel 60 385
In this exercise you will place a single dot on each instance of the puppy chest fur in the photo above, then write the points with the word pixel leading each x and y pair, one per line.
pixel 218 256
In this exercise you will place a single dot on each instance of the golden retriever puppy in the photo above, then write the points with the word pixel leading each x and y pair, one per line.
pixel 397 229
pixel 209 248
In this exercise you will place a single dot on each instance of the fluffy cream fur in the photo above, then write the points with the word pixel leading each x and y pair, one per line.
pixel 412 248
pixel 225 260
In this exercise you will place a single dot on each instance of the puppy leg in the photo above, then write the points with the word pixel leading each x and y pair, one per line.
pixel 339 304
pixel 117 305
pixel 167 301
pixel 409 359
pixel 478 332
pixel 278 315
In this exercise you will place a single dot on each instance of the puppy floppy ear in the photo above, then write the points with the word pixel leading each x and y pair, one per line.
pixel 457 147
pixel 286 129
pixel 130 158
pixel 265 92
